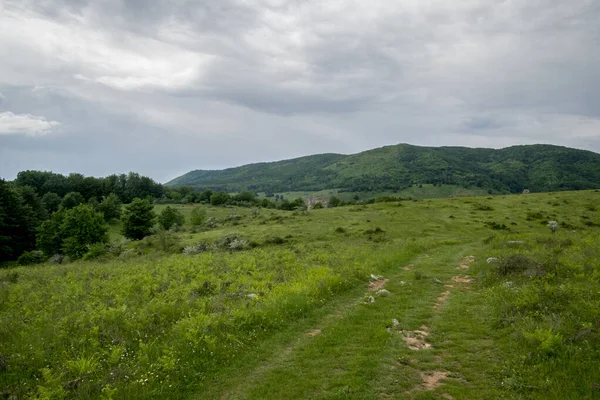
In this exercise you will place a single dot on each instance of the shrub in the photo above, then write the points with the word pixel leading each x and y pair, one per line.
pixel 95 251
pixel 275 240
pixel 238 244
pixel 545 341
pixel 377 230
pixel 170 217
pixel 519 264
pixel 198 216
pixel 197 248
pixel 232 242
pixel 483 207
pixel 211 222
pixel 334 202
pixel 31 257
pixel 496 226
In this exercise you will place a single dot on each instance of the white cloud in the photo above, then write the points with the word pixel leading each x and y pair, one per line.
pixel 25 124
pixel 121 60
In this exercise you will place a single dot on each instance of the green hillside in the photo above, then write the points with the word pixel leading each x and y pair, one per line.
pixel 512 169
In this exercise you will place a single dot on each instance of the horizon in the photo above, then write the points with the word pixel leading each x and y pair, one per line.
pixel 165 88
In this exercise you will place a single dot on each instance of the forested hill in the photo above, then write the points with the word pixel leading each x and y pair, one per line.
pixel 512 169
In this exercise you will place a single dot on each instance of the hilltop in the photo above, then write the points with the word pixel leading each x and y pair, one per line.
pixel 390 168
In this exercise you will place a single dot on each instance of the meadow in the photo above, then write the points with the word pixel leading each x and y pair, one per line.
pixel 455 298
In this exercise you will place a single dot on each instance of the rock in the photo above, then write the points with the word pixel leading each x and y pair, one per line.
pixel 492 260
pixel 383 293
pixel 371 299
pixel 402 283
pixel 515 242
pixel 252 296
pixel 508 284
pixel 375 277
pixel 436 280
pixel 395 322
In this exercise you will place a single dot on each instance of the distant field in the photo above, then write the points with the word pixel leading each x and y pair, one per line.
pixel 415 192
pixel 271 304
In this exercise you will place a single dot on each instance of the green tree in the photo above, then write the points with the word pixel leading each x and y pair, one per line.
pixel 169 217
pixel 334 202
pixel 204 196
pixel 82 227
pixel 50 237
pixel 249 197
pixel 110 207
pixel 137 219
pixel 51 202
pixel 198 216
pixel 71 232
pixel 72 200
pixel 31 199
pixel 17 224
pixel 219 198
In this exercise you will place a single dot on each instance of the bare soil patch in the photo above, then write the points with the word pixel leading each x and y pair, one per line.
pixel 463 279
pixel 468 260
pixel 408 267
pixel 375 286
pixel 417 339
pixel 441 300
pixel 432 379
pixel 314 332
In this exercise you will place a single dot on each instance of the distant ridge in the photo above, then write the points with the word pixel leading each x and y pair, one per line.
pixel 510 170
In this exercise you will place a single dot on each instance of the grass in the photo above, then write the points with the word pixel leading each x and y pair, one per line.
pixel 424 191
pixel 286 316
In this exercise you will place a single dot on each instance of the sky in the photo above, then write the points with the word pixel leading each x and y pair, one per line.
pixel 165 87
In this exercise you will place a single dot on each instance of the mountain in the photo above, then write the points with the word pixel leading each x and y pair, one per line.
pixel 509 170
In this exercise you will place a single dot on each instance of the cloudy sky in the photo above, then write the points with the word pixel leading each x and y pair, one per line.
pixel 163 87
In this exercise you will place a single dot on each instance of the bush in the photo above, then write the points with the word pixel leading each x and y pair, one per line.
pixel 232 242
pixel 31 257
pixel 170 217
pixel 96 250
pixel 334 202
pixel 198 216
pixel 197 248
pixel 519 264
pixel 275 240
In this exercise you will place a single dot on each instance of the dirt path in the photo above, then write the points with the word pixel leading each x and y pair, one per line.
pixel 403 345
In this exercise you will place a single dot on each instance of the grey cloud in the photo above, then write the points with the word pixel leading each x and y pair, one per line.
pixel 164 87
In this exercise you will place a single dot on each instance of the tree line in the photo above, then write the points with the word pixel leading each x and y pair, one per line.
pixel 58 214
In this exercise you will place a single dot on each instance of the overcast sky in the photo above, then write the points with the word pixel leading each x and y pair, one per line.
pixel 164 87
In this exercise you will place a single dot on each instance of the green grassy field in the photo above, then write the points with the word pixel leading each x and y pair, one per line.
pixel 279 305
pixel 424 191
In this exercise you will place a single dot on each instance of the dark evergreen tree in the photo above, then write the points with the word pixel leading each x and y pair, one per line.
pixel 137 219
pixel 17 224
